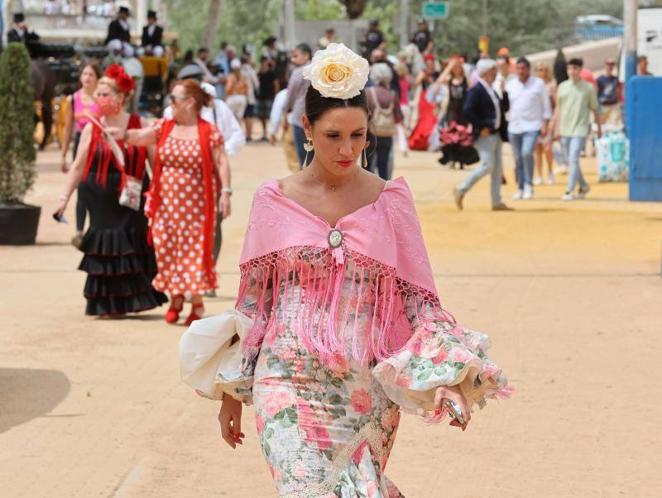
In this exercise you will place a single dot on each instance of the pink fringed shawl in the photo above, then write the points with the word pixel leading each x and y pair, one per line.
pixel 382 258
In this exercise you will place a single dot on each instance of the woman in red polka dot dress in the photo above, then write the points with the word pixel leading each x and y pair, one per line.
pixel 190 169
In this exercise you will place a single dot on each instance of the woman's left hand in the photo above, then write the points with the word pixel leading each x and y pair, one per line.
pixel 453 393
pixel 226 208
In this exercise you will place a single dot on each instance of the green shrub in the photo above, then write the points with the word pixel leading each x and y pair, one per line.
pixel 17 152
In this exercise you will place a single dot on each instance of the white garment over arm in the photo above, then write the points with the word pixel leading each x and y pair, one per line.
pixel 277 110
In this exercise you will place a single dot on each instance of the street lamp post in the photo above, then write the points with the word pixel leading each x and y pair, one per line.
pixel 404 23
pixel 630 37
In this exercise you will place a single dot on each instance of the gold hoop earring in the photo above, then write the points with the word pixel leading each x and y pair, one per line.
pixel 308 147
pixel 364 162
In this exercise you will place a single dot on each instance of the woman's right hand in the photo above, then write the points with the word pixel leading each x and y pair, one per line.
pixel 453 393
pixel 115 132
pixel 64 166
pixel 230 420
pixel 60 209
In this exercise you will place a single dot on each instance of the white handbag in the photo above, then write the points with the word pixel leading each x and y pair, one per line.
pixel 131 193
pixel 207 360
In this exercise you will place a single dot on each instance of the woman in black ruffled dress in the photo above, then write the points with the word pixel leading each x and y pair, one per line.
pixel 119 263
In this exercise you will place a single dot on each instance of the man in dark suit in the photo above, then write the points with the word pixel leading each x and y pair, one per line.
pixel 486 112
pixel 119 35
pixel 20 33
pixel 152 38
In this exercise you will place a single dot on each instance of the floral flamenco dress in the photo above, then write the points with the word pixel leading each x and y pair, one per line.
pixel 339 329
pixel 119 263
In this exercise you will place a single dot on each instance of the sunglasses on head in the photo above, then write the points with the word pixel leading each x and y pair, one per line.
pixel 177 98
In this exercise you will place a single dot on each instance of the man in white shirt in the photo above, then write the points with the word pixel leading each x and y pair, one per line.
pixel 530 112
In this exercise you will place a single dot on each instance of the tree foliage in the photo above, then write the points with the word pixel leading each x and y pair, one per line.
pixel 241 22
pixel 17 173
pixel 523 26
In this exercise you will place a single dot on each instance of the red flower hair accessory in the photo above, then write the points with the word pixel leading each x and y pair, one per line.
pixel 113 71
pixel 124 82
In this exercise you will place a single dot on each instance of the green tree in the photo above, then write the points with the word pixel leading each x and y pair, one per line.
pixel 523 26
pixel 312 10
pixel 17 173
pixel 241 22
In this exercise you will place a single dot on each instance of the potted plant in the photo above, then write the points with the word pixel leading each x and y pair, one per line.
pixel 18 221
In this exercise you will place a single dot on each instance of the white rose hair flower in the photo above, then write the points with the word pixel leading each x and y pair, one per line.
pixel 337 72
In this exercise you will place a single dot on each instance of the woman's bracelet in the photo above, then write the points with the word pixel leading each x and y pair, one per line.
pixel 226 190
pixel 65 198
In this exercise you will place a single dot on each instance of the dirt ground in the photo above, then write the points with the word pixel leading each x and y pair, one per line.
pixel 570 293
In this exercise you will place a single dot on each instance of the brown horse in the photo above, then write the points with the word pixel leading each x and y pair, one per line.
pixel 44 80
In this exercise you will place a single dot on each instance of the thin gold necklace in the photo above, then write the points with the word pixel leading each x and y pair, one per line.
pixel 332 188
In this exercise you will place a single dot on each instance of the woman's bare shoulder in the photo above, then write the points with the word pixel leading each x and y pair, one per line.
pixel 370 182
pixel 295 181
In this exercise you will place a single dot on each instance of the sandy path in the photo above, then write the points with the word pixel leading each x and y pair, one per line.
pixel 570 294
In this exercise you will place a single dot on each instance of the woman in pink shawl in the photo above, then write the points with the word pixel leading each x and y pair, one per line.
pixel 345 326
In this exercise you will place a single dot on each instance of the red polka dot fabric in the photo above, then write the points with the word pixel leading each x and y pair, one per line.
pixel 177 228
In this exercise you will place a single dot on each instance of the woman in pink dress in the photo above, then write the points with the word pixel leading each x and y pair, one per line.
pixel 190 169
pixel 82 104
pixel 342 326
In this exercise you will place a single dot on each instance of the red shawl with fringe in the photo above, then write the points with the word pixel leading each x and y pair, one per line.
pixel 208 172
pixel 134 156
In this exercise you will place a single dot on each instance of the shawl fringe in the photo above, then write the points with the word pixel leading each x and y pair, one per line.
pixel 311 280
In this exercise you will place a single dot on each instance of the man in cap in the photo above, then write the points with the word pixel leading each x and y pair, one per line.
pixel 152 37
pixel 485 110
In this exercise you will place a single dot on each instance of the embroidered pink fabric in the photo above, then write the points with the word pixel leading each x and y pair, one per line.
pixel 381 261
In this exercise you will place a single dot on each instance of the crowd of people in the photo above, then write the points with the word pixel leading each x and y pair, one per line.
pixel 359 326
pixel 416 101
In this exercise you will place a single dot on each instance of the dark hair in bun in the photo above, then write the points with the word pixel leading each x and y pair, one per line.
pixel 317 105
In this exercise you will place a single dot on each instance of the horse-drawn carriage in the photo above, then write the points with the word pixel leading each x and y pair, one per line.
pixel 55 74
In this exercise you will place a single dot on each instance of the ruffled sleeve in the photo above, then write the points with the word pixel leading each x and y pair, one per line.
pixel 214 356
pixel 439 353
